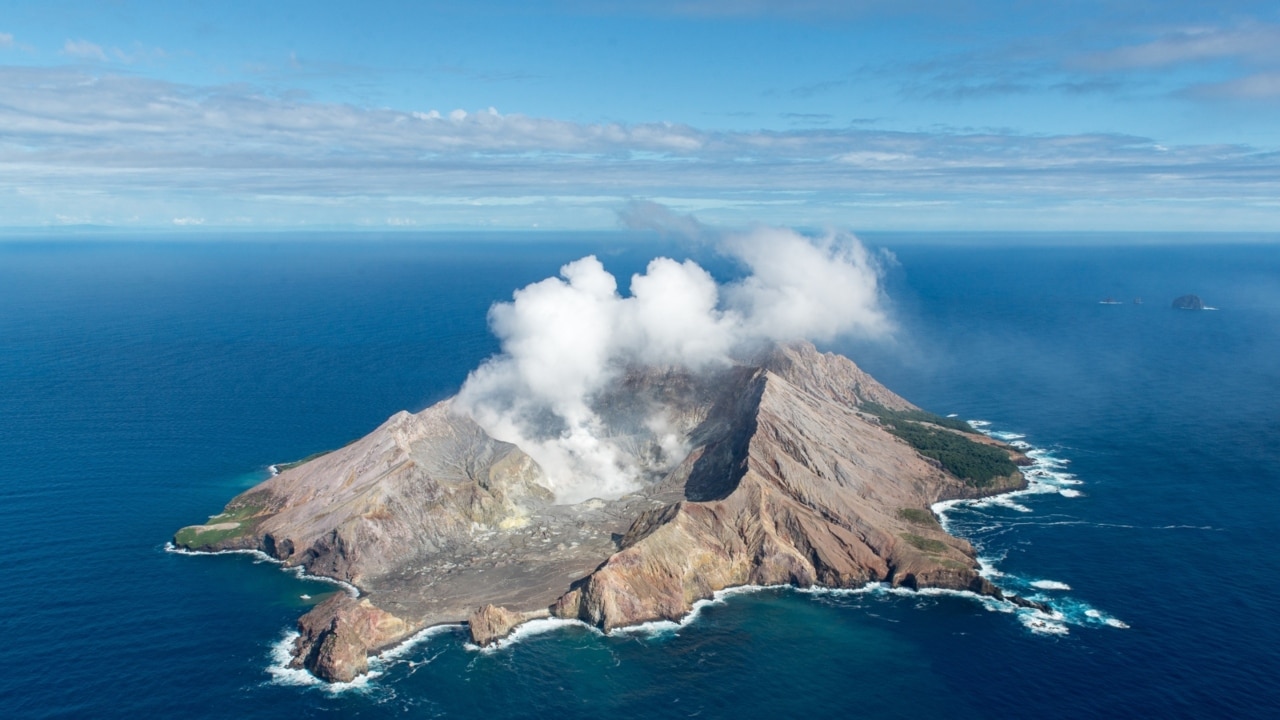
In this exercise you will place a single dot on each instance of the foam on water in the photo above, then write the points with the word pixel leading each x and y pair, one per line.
pixel 1006 436
pixel 530 629
pixel 1049 585
pixel 282 654
pixel 869 588
pixel 281 674
pixel 1042 623
pixel 719 597
pixel 399 652
pixel 1054 622
pixel 1045 476
pixel 652 628
pixel 259 557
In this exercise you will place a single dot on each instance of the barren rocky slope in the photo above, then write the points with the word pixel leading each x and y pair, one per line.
pixel 790 479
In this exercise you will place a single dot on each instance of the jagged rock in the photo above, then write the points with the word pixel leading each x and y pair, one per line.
pixel 491 623
pixel 1023 602
pixel 1188 302
pixel 786 481
pixel 813 502
pixel 336 637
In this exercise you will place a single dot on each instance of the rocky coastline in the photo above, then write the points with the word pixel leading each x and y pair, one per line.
pixel 790 478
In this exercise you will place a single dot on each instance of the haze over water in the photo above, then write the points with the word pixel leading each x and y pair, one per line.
pixel 144 384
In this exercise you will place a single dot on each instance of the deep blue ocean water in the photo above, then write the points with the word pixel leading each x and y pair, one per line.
pixel 142 384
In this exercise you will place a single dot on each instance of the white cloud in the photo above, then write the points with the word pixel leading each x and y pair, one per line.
pixel 6 40
pixel 1259 86
pixel 1253 42
pixel 129 147
pixel 185 221
pixel 807 10
pixel 84 50
pixel 565 339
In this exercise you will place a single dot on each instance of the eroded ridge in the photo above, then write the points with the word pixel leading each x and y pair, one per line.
pixel 798 468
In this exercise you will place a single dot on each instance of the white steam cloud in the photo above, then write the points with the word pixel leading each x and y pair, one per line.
pixel 565 339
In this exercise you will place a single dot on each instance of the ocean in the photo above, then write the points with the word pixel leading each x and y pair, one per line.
pixel 143 383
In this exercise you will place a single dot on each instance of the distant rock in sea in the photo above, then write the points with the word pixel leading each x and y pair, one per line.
pixel 1189 302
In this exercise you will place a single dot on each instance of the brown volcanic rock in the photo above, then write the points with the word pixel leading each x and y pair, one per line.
pixel 815 503
pixel 492 623
pixel 787 482
pixel 336 636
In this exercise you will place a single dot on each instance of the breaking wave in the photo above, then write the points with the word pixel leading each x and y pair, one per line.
pixel 281 674
pixel 1046 475
pixel 281 655
pixel 260 557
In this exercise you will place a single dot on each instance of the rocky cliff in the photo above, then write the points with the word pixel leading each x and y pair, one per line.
pixel 792 477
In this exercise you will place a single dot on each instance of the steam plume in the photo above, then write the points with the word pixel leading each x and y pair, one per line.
pixel 564 339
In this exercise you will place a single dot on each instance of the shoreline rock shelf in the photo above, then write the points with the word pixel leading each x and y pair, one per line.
pixel 791 477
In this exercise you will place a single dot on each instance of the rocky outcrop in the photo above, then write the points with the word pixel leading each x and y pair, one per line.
pixel 815 501
pixel 1188 302
pixel 336 637
pixel 788 479
pixel 491 623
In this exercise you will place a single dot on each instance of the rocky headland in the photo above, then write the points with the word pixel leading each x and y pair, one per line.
pixel 800 469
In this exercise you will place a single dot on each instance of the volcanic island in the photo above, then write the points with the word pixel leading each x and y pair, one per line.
pixel 799 469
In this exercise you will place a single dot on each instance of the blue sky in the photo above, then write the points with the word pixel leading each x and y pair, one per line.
pixel 906 115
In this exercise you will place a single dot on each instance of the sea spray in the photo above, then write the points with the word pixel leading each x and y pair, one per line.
pixel 259 557
pixel 1046 475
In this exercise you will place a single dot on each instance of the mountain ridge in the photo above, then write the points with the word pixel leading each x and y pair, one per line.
pixel 788 479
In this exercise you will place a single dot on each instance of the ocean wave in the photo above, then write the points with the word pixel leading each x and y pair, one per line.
pixel 1066 612
pixel 1057 621
pixel 281 674
pixel 260 557
pixel 528 629
pixel 1042 623
pixel 404 647
pixel 1049 585
pixel 281 655
pixel 1046 475
pixel 651 628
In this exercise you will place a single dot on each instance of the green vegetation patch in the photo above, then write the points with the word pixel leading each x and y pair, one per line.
pixel 240 519
pixel 928 545
pixel 281 467
pixel 893 417
pixel 918 516
pixel 236 513
pixel 977 464
pixel 196 536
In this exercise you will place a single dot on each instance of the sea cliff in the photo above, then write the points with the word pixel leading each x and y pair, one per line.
pixel 801 469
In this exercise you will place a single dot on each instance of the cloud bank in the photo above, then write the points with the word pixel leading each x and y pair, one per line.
pixel 129 151
pixel 566 339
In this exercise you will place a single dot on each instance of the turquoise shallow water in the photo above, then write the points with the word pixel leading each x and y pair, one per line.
pixel 143 384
